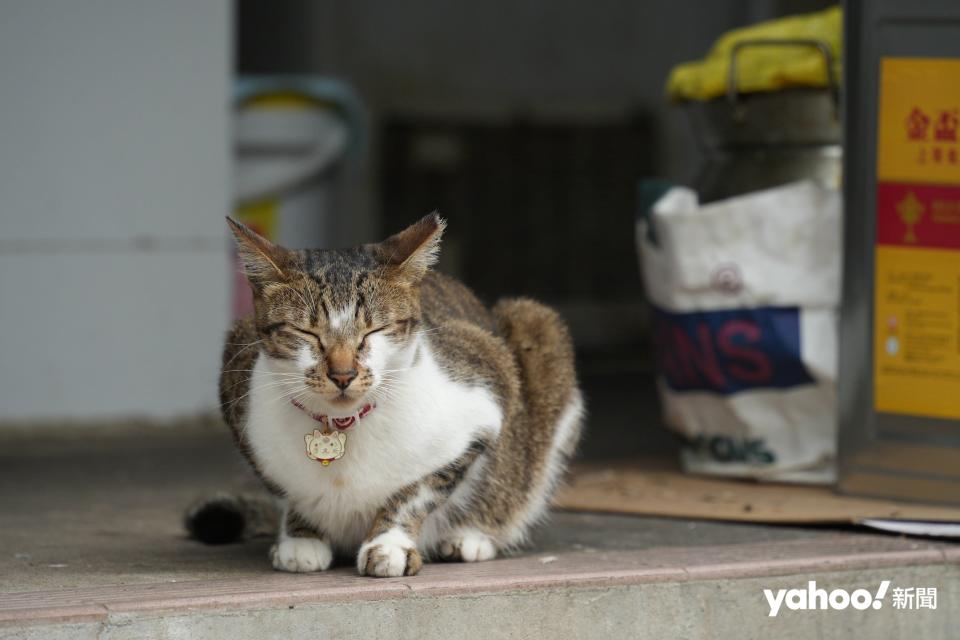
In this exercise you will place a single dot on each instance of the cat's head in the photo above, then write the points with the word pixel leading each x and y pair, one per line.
pixel 337 325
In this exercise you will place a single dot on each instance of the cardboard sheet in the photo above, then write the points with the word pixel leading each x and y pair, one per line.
pixel 659 488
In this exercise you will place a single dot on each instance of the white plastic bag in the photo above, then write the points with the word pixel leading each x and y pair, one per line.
pixel 745 295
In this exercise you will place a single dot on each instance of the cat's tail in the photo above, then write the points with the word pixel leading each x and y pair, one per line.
pixel 224 518
pixel 541 342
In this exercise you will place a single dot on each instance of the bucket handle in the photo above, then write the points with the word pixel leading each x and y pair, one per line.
pixel 733 93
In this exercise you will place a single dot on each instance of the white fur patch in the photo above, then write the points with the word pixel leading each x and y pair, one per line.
pixel 469 545
pixel 340 317
pixel 423 421
pixel 305 358
pixel 391 548
pixel 382 360
pixel 301 555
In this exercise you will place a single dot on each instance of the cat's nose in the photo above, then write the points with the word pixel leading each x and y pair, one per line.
pixel 342 378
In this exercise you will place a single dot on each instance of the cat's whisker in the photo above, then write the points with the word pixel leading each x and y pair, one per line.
pixel 270 373
pixel 392 391
pixel 293 378
pixel 241 350
pixel 391 386
pixel 261 387
pixel 273 383
pixel 278 398
pixel 238 383
pixel 296 391
pixel 395 375
pixel 389 390
pixel 398 385
pixel 266 373
pixel 257 390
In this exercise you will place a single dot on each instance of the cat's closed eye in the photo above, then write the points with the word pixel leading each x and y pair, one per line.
pixel 309 335
pixel 363 340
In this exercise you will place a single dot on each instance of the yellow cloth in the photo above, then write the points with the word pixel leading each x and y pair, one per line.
pixel 763 68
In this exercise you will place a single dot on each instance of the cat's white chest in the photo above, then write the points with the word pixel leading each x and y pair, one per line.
pixel 423 423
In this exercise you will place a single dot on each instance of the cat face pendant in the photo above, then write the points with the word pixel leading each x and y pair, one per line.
pixel 326 446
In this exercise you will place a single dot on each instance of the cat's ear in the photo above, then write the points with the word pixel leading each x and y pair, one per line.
pixel 415 249
pixel 262 260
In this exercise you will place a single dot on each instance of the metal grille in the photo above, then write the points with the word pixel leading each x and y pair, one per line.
pixel 535 209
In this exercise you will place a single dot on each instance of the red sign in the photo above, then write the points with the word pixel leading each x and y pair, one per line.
pixel 916 215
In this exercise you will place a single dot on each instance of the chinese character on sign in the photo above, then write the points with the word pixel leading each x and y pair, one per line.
pixel 946 128
pixel 917 123
pixel 902 597
pixel 926 597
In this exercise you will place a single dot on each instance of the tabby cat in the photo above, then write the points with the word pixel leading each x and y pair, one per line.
pixel 392 414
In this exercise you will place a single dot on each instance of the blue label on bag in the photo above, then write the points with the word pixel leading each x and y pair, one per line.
pixel 730 351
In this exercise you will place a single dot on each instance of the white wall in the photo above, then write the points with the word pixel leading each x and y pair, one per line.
pixel 114 176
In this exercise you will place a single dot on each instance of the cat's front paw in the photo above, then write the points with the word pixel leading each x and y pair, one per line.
pixel 301 555
pixel 389 555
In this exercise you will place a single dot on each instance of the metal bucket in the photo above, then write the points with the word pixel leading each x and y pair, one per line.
pixel 762 140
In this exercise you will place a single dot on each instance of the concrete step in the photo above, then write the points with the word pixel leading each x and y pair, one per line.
pixel 91 547
pixel 668 591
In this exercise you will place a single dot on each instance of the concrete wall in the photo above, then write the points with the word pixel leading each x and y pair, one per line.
pixel 501 58
pixel 114 180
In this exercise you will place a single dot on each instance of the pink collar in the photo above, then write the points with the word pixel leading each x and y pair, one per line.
pixel 340 423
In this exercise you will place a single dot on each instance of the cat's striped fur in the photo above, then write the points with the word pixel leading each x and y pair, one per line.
pixel 478 410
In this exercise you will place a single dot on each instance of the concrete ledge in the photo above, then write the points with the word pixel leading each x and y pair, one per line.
pixel 792 562
pixel 716 608
pixel 92 547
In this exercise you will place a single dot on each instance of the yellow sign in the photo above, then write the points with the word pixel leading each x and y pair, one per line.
pixel 916 362
pixel 917 333
pixel 918 140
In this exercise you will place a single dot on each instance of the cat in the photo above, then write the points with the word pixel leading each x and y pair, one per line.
pixel 393 415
